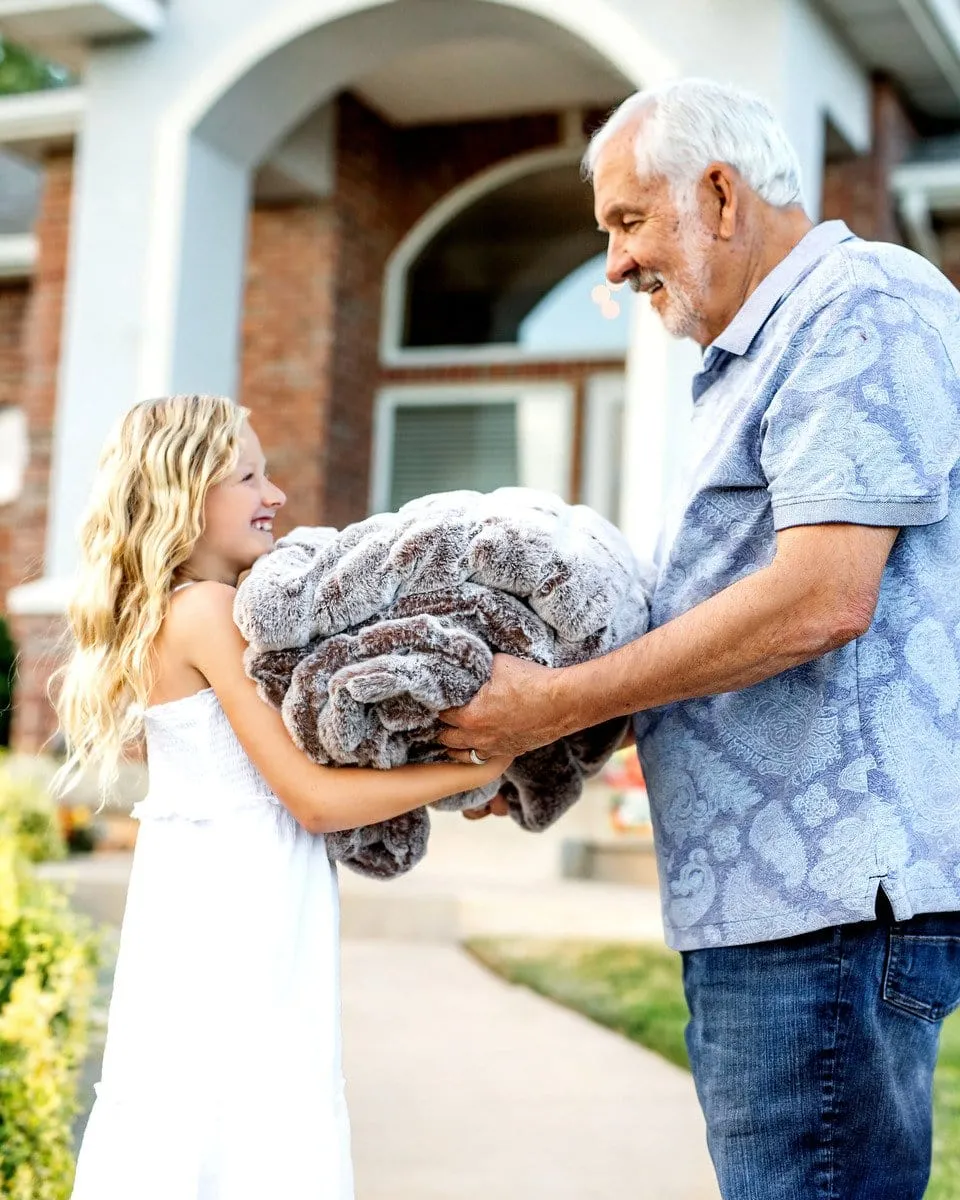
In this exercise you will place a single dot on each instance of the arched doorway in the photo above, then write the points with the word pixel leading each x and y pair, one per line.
pixel 523 83
pixel 498 368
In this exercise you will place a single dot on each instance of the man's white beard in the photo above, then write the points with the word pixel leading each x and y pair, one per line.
pixel 681 315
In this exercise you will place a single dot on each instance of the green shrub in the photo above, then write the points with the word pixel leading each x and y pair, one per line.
pixel 21 71
pixel 48 959
pixel 30 815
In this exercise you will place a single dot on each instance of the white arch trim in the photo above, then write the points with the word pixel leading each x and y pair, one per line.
pixel 436 219
pixel 602 27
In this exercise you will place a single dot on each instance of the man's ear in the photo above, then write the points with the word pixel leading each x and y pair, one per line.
pixel 721 187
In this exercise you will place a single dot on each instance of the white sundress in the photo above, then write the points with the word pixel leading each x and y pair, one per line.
pixel 222 1071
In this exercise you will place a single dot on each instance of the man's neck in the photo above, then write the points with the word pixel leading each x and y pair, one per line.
pixel 777 232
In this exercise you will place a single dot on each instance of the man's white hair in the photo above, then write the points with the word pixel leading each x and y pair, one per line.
pixel 686 124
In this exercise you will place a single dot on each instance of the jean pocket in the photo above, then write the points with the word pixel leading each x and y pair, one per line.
pixel 922 973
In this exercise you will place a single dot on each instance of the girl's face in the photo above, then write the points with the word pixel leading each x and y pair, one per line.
pixel 238 517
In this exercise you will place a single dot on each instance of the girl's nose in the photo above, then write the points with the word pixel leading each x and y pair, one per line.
pixel 277 499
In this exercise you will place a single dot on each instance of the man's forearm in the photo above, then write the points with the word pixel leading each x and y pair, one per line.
pixel 756 628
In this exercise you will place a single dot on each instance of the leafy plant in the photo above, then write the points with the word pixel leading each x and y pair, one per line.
pixel 48 961
pixel 21 71
pixel 47 977
pixel 30 816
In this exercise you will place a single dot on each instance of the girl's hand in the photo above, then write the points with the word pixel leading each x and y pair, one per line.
pixel 498 807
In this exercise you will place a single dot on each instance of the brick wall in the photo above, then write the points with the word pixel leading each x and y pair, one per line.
pixel 13 306
pixel 287 336
pixel 949 234
pixel 41 358
pixel 856 189
pixel 315 274
pixel 42 321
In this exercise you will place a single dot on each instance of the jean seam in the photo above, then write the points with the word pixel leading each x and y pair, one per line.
pixel 830 1090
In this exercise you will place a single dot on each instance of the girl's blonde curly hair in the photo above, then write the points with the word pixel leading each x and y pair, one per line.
pixel 142 523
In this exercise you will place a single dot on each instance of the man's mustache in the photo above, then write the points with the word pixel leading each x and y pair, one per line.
pixel 644 281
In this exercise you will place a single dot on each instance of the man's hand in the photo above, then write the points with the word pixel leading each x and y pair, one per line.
pixel 518 709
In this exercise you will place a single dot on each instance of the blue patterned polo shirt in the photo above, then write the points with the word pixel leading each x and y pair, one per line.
pixel 833 396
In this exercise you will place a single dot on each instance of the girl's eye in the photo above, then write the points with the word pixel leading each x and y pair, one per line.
pixel 248 476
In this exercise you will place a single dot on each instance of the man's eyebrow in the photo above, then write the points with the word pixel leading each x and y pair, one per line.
pixel 610 215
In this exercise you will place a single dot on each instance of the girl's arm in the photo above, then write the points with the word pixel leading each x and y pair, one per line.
pixel 201 631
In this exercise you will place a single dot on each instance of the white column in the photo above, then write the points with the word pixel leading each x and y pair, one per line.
pixel 658 408
pixel 206 351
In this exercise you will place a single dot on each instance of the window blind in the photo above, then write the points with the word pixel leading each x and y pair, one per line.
pixel 443 447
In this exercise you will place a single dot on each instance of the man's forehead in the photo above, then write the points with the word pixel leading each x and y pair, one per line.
pixel 617 187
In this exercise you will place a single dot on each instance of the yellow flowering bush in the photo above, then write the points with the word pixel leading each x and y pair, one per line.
pixel 32 816
pixel 48 959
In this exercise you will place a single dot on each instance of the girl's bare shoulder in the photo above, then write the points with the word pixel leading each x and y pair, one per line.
pixel 200 600
pixel 197 614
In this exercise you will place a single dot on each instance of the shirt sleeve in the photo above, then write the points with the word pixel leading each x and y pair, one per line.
pixel 865 428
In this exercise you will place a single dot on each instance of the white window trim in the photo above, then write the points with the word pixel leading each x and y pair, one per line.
pixel 392 352
pixel 389 399
pixel 14 452
pixel 19 253
pixel 604 394
pixel 53 115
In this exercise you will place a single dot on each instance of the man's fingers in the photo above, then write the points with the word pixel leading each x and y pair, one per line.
pixel 463 756
pixel 454 739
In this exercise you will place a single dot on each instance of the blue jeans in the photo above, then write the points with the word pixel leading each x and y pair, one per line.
pixel 813 1057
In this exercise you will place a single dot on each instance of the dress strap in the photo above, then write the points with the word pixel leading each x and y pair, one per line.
pixel 181 586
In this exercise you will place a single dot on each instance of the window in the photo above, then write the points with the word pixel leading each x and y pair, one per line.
pixel 441 448
pixel 14 452
pixel 438 440
pixel 513 270
pixel 603 445
pixel 569 320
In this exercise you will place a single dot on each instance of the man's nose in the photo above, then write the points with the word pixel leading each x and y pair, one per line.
pixel 620 264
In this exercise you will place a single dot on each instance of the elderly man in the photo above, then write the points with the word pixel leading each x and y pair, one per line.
pixel 798 696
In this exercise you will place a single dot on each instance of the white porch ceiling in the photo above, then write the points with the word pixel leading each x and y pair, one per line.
pixel 39 22
pixel 488 76
pixel 916 42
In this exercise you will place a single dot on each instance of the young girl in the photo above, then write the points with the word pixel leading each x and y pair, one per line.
pixel 221 1075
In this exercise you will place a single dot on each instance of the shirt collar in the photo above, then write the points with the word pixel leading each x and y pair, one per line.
pixel 761 302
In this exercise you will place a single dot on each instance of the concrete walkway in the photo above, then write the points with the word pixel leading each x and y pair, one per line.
pixel 463 1087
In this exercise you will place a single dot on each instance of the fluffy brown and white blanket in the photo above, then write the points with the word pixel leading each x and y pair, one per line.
pixel 361 637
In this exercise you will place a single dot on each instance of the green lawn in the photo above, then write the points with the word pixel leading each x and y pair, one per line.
pixel 636 990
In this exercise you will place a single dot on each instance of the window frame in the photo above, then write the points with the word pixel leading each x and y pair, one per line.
pixel 393 305
pixel 604 393
pixel 389 399
pixel 14 453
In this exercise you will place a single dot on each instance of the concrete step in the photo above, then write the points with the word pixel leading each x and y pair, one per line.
pixel 479 879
